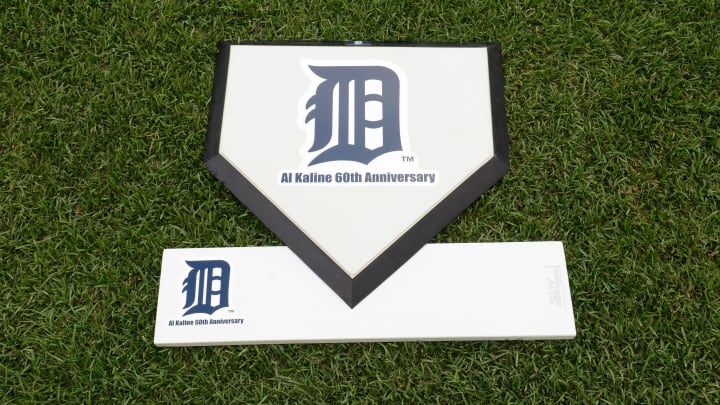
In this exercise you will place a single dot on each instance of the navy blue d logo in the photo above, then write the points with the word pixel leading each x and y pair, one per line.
pixel 340 106
pixel 206 286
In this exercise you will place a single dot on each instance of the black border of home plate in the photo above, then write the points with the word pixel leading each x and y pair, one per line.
pixel 353 290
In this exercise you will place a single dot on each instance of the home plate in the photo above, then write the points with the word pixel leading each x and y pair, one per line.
pixel 458 291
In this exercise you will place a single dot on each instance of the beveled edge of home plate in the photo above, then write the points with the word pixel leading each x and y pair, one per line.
pixel 446 292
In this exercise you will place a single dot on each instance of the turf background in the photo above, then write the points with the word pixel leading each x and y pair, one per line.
pixel 614 118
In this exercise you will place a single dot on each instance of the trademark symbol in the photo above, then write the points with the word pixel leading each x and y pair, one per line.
pixel 232 311
pixel 408 158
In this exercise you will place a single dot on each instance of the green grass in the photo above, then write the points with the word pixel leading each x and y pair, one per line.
pixel 614 118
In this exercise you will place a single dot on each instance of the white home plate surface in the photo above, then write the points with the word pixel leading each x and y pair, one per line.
pixel 356 156
pixel 467 291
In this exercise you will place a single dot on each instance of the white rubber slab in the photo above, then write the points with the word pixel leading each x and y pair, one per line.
pixel 465 291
